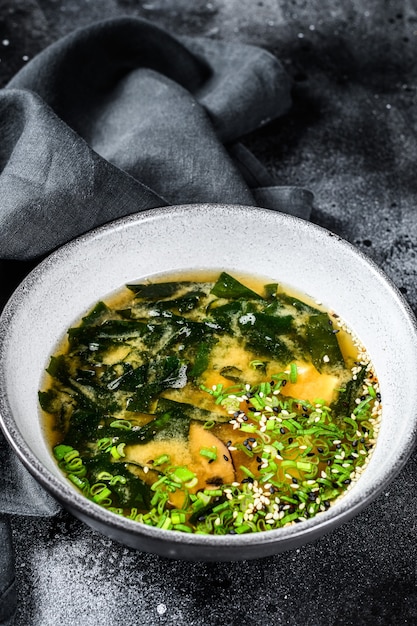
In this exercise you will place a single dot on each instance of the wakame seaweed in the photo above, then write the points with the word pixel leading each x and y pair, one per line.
pixel 211 406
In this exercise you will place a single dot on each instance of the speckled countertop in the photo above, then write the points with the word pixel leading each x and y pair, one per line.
pixel 351 138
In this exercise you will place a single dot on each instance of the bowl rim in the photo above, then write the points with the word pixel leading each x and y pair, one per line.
pixel 68 496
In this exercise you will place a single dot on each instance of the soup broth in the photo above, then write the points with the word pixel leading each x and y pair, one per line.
pixel 215 404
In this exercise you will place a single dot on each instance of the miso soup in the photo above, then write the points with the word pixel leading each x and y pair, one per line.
pixel 215 404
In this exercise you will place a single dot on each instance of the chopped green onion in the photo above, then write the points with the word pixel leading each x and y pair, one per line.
pixel 61 450
pixel 122 424
pixel 209 453
pixel 161 460
pixel 183 474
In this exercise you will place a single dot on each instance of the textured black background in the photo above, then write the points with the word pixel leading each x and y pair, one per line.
pixel 350 137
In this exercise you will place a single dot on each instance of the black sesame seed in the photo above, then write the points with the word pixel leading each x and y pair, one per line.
pixel 282 431
pixel 290 440
pixel 320 450
pixel 326 504
pixel 258 458
pixel 295 481
pixel 275 409
pixel 211 460
pixel 347 481
pixel 226 458
pixel 354 443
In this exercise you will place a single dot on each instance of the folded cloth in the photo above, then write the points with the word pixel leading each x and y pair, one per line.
pixel 121 116
pixel 112 119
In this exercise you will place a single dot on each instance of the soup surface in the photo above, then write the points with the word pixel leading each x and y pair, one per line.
pixel 211 405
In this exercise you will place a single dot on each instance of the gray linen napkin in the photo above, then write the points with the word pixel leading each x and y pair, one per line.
pixel 112 119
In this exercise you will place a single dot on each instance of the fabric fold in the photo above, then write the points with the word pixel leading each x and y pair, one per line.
pixel 122 116
pixel 8 596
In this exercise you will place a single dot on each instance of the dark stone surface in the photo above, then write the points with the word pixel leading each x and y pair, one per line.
pixel 350 137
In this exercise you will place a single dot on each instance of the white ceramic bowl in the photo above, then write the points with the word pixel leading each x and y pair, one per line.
pixel 244 239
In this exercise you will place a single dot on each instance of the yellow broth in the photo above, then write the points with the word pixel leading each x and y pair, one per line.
pixel 211 403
